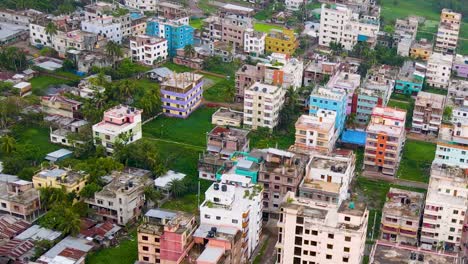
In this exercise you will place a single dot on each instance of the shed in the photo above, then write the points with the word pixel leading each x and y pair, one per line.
pixel 59 155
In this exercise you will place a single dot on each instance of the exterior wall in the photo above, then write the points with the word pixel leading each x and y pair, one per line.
pixel 286 45
pixel 254 44
pixel 293 5
pixel 261 109
pixel 451 154
pixel 337 104
pixel 447 34
pixel 407 87
pixel 39 37
pixel 107 29
pixel 439 68
pixel 153 243
pixel 177 35
pixel 182 105
pixel 144 5
pixel 148 50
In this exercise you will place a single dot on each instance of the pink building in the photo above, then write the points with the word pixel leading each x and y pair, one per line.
pixel 347 82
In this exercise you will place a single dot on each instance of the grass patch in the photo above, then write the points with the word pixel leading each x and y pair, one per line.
pixel 37 136
pixel 264 27
pixel 188 203
pixel 408 106
pixel 206 7
pixel 258 258
pixel 175 67
pixel 435 91
pixel 41 83
pixel 220 91
pixel 401 97
pixel 189 131
pixel 124 253
pixel 398 104
pixel 416 161
pixel 196 23
pixel 146 83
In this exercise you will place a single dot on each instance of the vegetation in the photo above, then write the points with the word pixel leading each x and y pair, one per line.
pixel 13 59
pixel 124 253
pixel 49 6
pixel 187 203
pixel 416 161
pixel 264 27
pixel 196 23
pixel 41 83
pixel 216 65
pixel 223 90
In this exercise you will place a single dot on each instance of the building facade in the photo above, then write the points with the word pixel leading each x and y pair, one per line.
pixel 428 113
pixel 460 66
pixel 281 41
pixel 148 50
pixel 439 68
pixel 20 199
pixel 177 34
pixel 254 42
pixel 447 33
pixel 69 180
pixel 451 147
pixel 262 104
pixel 317 132
pixel 329 99
pixel 410 79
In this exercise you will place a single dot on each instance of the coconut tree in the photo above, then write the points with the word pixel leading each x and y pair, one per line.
pixel 8 144
pixel 51 30
pixel 189 51
pixel 114 50
pixel 177 188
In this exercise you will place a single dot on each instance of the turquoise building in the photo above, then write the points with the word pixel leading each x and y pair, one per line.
pixel 410 78
pixel 177 35
pixel 243 164
pixel 330 99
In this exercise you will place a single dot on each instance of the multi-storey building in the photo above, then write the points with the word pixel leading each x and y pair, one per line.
pixel 447 33
pixel 120 124
pixel 348 82
pixel 405 34
pixel 439 68
pixel 460 66
pixel 221 143
pixel 328 177
pixel 138 24
pixel 385 140
pixel 20 199
pixel 165 236
pixel 401 216
pixel 262 104
pixel 451 145
pixel 317 69
pixel 61 106
pixel 245 76
pixel 459 115
pixel 76 40
pixel 341 24
pixel 316 132
pixel 173 11
pixel 445 212
pixel 428 112
pixel 235 202
pixel 105 27
pixel 101 11
pixel 421 49
pixel 143 5
pixel 229 28
pixel 280 173
pixel 281 41
pixel 254 42
pixel 67 179
pixel 457 91
pixel 329 99
pixel 410 79
pixel 244 164
pixel 294 5
pixel 121 201
pixel 148 50
pixel 312 232
pixel 22 17
pixel 177 33
pixel 181 94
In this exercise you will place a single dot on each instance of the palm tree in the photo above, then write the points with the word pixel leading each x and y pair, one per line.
pixel 51 30
pixel 177 188
pixel 70 222
pixel 189 51
pixel 8 144
pixel 114 50
pixel 126 88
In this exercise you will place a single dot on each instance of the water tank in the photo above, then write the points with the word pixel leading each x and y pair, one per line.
pixel 224 188
pixel 216 187
pixel 214 229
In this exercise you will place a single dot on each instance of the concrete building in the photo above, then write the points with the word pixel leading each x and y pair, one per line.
pixel 386 136
pixel 165 236
pixel 294 5
pixel 121 201
pixel 61 106
pixel 20 199
pixel 410 79
pixel 221 143
pixel 459 115
pixel 101 11
pixel 143 5
pixel 328 177
pixel 104 26
pixel 329 99
pixel 67 179
pixel 427 113
pixel 20 17
pixel 451 145
pixel 227 117
pixel 316 132
pixel 447 33
pixel 246 164
pixel 401 217
pixel 341 24
pixel 245 77
pixel 421 49
pixel 148 50
pixel 317 69
pixel 445 219
pixel 177 33
pixel 235 202
pixel 348 83
pixel 280 173
pixel 405 34
pixel 76 40
pixel 254 42
pixel 457 91
pixel 460 66
pixel 317 233
pixel 119 124
pixel 439 68
pixel 230 29
pixel 181 94
pixel 173 11
pixel 281 41
pixel 262 104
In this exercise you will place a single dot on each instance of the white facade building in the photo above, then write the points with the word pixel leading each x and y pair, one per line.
pixel 262 104
pixel 38 35
pixel 148 50
pixel 294 5
pixel 457 91
pixel 439 67
pixel 254 42
pixel 143 5
pixel 316 132
pixel 104 26
pixel 235 202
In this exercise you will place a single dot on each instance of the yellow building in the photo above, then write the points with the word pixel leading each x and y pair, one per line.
pixel 421 49
pixel 60 178
pixel 281 41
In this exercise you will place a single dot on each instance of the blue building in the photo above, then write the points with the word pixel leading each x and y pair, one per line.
pixel 329 99
pixel 177 35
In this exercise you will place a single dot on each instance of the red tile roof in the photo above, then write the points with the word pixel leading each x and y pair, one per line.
pixel 11 226
pixel 16 248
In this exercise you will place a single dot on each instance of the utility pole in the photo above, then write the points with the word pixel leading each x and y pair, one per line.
pixel 198 195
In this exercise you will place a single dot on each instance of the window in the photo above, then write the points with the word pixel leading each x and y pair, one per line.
pixel 347 239
pixel 207 216
pixel 156 240
pixel 329 246
pixel 145 238
pixel 313 243
pixel 145 258
pixel 345 259
pixel 235 221
pixel 346 249
pixel 329 256
pixel 314 232
pixel 331 236
pixel 300 220
pixel 145 248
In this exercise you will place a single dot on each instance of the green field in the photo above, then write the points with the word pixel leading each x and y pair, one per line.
pixel 41 83
pixel 219 89
pixel 175 67
pixel 188 203
pixel 37 136
pixel 416 161
pixel 264 27
pixel 190 131
pixel 398 104
pixel 124 253
pixel 196 23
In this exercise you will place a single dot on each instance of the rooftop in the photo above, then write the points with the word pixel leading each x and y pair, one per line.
pixel 441 59
pixel 67 243
pixel 37 232
pixel 182 80
pixel 316 123
pixel 66 176
pixel 388 112
pixel 334 94
pixel 229 132
pixel 429 99
pixel 11 226
pixel 388 253
pixel 412 71
pixel 125 182
pixel 158 220
pixel 163 181
pixel 403 203
pixel 228 113
pixel 263 88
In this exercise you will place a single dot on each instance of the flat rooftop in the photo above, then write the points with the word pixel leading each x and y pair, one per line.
pixel 404 203
pixel 182 80
pixel 431 99
pixel 387 253
pixel 329 163
pixel 388 112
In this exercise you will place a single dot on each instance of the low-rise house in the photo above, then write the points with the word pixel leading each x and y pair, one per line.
pixel 37 233
pixel 148 50
pixel 69 250
pixel 61 106
pixel 165 236
pixel 17 251
pixel 401 217
pixel 58 155
pixel 23 88
pixel 439 68
pixel 428 113
pixel 104 233
pixel 317 132
pixel 163 182
pixel 181 94
pixel 89 87
pixel 120 124
pixel 121 201
pixel 67 135
pixel 262 104
pixel 227 117
pixel 69 180
pixel 460 66
pixel 410 78
pixel 20 199
pixel 421 49
pixel 11 226
pixel 317 70
pixel 11 33
pixel 159 74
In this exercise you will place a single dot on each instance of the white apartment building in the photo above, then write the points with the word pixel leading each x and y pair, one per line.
pixel 451 146
pixel 294 5
pixel 447 33
pixel 262 104
pixel 328 177
pixel 339 24
pixel 120 124
pixel 143 5
pixel 316 132
pixel 439 67
pixel 38 35
pixel 148 50
pixel 445 210
pixel 254 42
pixel 76 39
pixel 457 91
pixel 460 115
pixel 283 71
pixel 313 232
pixel 235 202
pixel 104 26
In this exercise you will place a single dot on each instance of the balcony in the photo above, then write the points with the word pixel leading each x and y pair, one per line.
pixel 408 233
pixel 388 229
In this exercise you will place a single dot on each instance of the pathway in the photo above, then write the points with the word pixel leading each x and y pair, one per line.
pixel 269 236
pixel 379 176
pixel 235 106
pixel 419 137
